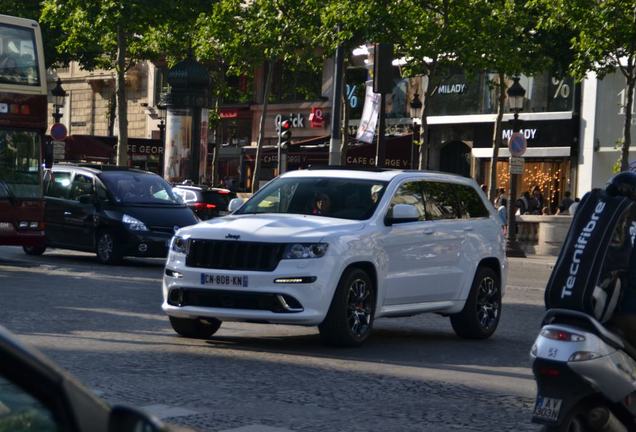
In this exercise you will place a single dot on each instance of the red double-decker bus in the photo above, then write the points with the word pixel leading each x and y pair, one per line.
pixel 23 122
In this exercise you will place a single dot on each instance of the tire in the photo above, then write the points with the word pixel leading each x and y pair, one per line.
pixel 34 250
pixel 350 318
pixel 482 311
pixel 195 328
pixel 108 249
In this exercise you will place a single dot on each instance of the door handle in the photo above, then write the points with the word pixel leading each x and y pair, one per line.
pixel 468 229
pixel 427 231
pixel 67 213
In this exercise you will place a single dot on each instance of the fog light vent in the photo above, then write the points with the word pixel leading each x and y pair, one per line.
pixel 175 297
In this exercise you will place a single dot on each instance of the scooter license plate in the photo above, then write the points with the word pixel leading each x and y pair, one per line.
pixel 547 408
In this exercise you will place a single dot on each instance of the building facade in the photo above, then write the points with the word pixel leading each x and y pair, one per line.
pixel 601 130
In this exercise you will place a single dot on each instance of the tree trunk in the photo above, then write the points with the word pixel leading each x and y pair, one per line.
pixel 424 128
pixel 496 139
pixel 122 108
pixel 261 128
pixel 627 132
pixel 112 113
pixel 344 135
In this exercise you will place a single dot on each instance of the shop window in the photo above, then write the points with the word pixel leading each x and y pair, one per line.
pixel 551 176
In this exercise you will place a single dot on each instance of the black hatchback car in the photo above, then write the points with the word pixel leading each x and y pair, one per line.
pixel 112 211
pixel 206 202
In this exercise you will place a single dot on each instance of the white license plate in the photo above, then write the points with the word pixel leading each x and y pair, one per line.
pixel 240 281
pixel 547 408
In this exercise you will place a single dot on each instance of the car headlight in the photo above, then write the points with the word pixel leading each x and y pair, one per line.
pixel 180 245
pixel 305 250
pixel 133 224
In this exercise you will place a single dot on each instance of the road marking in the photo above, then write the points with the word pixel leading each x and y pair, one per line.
pixel 257 428
pixel 164 411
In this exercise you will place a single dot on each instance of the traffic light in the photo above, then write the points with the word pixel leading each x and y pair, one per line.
pixel 284 134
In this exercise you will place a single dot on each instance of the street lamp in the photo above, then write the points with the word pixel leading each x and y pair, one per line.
pixel 516 95
pixel 162 108
pixel 416 113
pixel 59 94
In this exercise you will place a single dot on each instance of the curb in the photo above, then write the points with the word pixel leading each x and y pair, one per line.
pixel 534 261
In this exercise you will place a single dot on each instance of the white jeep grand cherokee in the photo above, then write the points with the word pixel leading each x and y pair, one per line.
pixel 339 248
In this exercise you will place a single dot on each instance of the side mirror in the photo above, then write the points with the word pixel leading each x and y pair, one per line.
pixel 48 154
pixel 403 213
pixel 234 205
pixel 127 419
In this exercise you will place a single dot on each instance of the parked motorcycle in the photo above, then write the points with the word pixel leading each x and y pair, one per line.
pixel 584 367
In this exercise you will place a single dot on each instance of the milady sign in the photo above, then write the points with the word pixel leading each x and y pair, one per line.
pixel 527 133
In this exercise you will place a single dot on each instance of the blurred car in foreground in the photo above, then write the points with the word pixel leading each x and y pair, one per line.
pixel 36 395
pixel 206 202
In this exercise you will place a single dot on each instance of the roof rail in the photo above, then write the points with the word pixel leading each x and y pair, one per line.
pixel 349 168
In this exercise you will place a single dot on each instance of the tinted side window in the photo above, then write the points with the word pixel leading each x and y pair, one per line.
pixel 60 185
pixel 440 200
pixel 21 411
pixel 82 185
pixel 471 205
pixel 410 193
pixel 100 190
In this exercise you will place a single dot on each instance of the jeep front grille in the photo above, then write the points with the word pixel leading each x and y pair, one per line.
pixel 234 255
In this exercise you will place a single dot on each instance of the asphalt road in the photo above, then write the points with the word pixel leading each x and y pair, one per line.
pixel 105 325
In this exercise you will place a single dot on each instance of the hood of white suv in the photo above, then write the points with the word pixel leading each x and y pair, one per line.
pixel 273 227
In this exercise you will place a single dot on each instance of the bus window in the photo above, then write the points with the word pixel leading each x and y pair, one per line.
pixel 18 64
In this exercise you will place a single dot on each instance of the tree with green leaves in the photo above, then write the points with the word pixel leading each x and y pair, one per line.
pixel 350 24
pixel 261 32
pixel 503 41
pixel 603 41
pixel 109 34
pixel 425 34
pixel 32 9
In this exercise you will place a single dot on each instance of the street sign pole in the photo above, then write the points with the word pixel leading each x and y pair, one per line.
pixel 517 145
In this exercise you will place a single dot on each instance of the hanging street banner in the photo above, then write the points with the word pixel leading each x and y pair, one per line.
pixel 369 120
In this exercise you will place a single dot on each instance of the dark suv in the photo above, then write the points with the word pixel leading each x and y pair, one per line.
pixel 206 202
pixel 112 211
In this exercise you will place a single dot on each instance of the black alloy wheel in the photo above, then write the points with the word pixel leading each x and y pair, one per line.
pixel 488 303
pixel 481 313
pixel 358 307
pixel 107 248
pixel 350 318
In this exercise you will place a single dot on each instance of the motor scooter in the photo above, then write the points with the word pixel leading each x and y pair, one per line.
pixel 585 374
pixel 584 368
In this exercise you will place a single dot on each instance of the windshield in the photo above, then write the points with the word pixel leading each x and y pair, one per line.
pixel 331 197
pixel 20 172
pixel 18 56
pixel 129 187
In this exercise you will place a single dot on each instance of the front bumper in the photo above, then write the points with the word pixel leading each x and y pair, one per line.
pixel 262 300
pixel 148 244
pixel 13 237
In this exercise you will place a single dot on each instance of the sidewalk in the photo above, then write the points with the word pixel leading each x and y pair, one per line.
pixel 540 262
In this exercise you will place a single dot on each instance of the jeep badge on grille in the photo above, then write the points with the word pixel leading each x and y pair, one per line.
pixel 232 236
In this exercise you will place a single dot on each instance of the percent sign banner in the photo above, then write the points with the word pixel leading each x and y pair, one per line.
pixel 561 88
pixel 351 96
